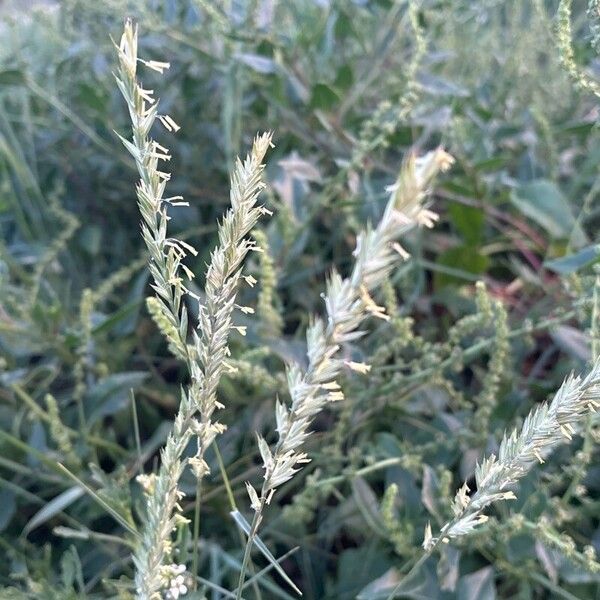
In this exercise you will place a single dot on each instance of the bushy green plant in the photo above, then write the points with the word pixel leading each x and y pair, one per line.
pixel 493 309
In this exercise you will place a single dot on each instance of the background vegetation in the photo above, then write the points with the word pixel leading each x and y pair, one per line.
pixel 348 87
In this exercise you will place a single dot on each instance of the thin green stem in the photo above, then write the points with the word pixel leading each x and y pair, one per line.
pixel 555 589
pixel 225 477
pixel 413 569
pixel 249 543
pixel 81 416
pixel 253 581
pixel 43 415
pixel 383 464
pixel 136 429
pixel 196 530
pixel 474 351
pixel 426 554
pixel 233 506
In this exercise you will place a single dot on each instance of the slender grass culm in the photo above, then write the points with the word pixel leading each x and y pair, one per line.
pixel 206 355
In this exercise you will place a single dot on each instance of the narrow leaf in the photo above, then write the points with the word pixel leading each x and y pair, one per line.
pixel 53 508
pixel 107 507
pixel 243 524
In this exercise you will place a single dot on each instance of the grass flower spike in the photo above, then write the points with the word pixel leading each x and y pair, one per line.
pixel 348 303
pixel 206 356
pixel 547 426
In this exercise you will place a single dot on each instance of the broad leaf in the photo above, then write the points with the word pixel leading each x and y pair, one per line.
pixel 542 202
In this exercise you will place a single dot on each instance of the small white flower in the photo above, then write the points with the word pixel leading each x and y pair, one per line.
pixel 177 585
pixel 427 218
pixel 371 306
pixel 254 500
pixel 178 588
pixel 400 250
pixel 331 385
pixel 147 482
pixel 427 537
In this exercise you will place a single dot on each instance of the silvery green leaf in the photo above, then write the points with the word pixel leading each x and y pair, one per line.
pixel 53 508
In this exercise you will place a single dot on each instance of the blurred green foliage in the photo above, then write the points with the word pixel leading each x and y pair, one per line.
pixel 349 87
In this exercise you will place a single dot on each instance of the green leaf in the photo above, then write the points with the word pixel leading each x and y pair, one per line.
pixel 12 77
pixel 260 64
pixel 27 449
pixel 431 492
pixel 547 560
pixel 90 239
pixel 71 570
pixel 574 262
pixel 323 97
pixel 114 490
pixel 491 164
pixel 37 441
pixel 111 322
pixel 572 341
pixel 357 567
pixel 343 26
pixel 477 586
pixel 111 394
pixel 458 265
pixel 100 501
pixel 92 96
pixel 380 588
pixel 437 86
pixel 542 202
pixel 422 584
pixel 469 221
pixel 9 505
pixel 344 77
pixel 53 508
pixel 366 500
